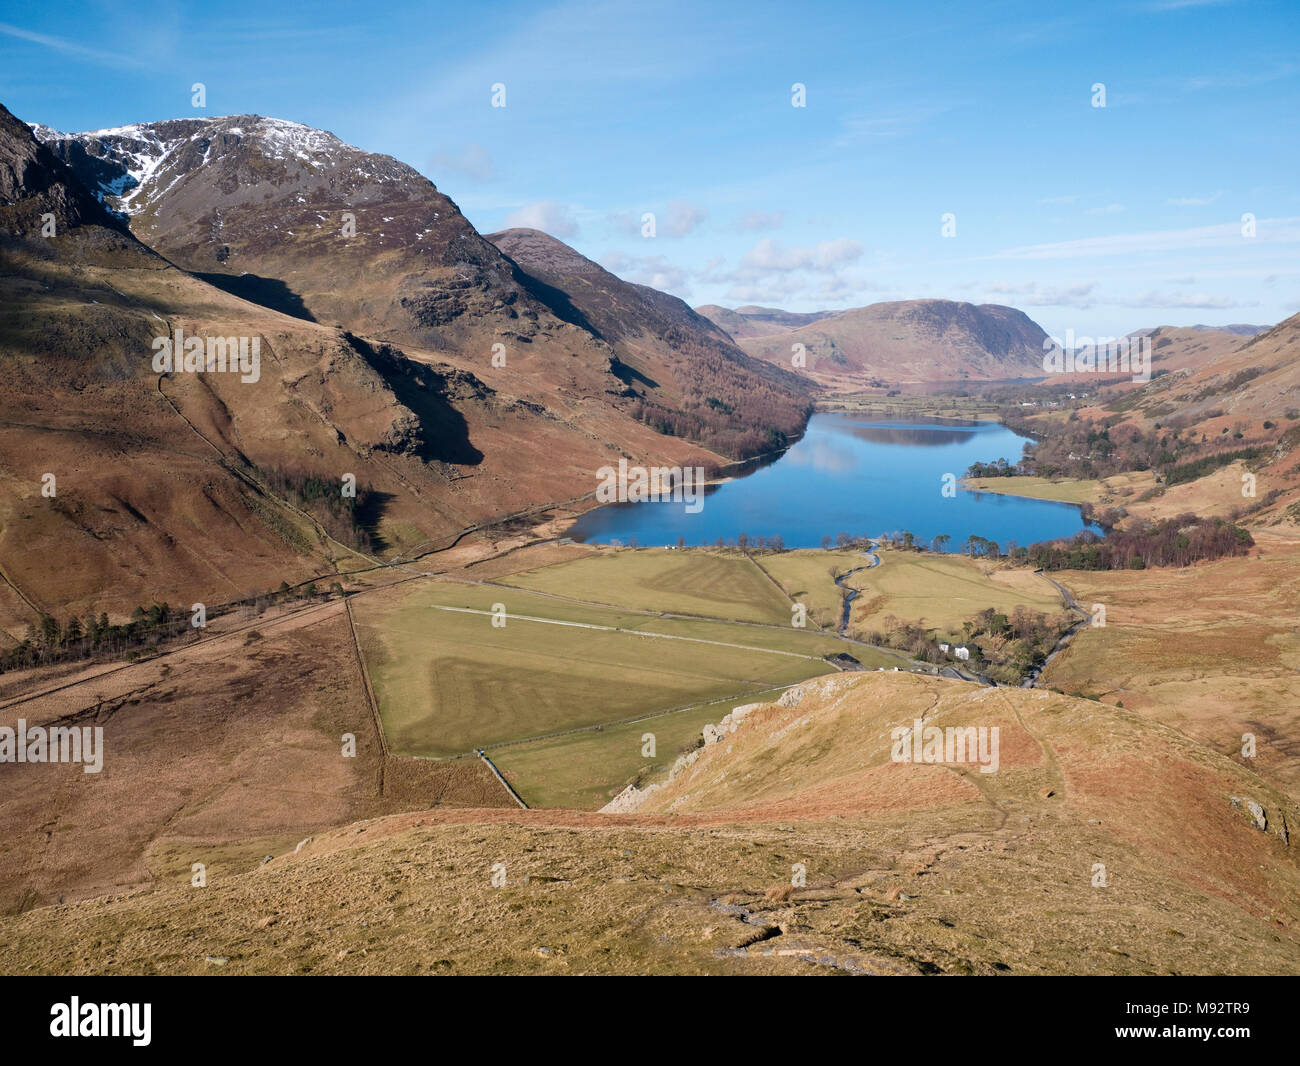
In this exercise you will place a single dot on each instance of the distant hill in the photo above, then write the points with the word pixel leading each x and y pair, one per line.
pixel 900 342
pixel 1239 328
pixel 754 321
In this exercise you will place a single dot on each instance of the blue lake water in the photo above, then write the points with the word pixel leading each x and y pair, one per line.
pixel 857 475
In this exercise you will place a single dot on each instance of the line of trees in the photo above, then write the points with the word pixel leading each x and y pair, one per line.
pixel 1178 541
pixel 93 636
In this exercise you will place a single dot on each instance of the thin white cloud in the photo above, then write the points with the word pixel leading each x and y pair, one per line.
pixel 60 44
pixel 858 128
pixel 768 256
pixel 1080 295
pixel 652 270
pixel 680 219
pixel 1201 301
pixel 1225 235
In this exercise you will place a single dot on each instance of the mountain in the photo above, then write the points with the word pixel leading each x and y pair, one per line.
pixel 187 487
pixel 685 374
pixel 897 343
pixel 297 220
pixel 754 321
pixel 1241 329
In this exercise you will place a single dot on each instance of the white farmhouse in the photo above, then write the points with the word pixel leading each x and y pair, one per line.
pixel 962 652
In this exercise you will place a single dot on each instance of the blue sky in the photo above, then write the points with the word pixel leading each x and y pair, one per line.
pixel 1100 220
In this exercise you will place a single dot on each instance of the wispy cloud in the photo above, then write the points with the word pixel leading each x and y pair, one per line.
pixel 760 220
pixel 72 48
pixel 1081 295
pixel 653 270
pixel 1201 301
pixel 1269 230
pixel 858 128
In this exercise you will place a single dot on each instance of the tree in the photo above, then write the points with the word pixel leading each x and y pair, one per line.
pixel 49 631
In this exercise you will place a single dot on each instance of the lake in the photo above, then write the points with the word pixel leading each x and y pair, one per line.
pixel 857 475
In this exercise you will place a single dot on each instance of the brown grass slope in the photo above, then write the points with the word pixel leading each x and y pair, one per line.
pixel 217 753
pixel 910 869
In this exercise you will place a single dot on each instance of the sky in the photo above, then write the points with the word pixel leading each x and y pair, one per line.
pixel 952 150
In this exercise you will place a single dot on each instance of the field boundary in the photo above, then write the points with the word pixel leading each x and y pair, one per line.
pixel 385 754
pixel 498 775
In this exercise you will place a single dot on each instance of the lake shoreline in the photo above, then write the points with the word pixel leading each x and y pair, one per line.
pixel 854 473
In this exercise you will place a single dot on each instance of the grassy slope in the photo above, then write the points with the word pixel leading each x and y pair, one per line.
pixel 808 577
pixel 910 869
pixel 1212 650
pixel 450 681
pixel 586 770
pixel 688 582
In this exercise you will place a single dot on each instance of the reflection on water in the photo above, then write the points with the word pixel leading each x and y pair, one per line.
pixel 851 475
pixel 912 433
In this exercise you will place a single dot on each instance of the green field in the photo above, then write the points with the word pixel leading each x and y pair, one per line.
pixel 448 681
pixel 713 585
pixel 941 591
pixel 586 770
pixel 1038 488
pixel 808 577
